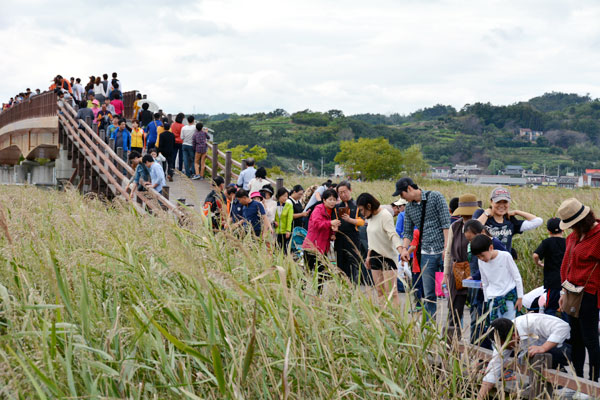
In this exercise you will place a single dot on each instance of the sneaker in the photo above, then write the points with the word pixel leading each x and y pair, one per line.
pixel 196 177
pixel 509 375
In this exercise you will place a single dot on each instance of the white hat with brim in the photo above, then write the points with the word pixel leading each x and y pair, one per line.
pixel 400 202
pixel 570 212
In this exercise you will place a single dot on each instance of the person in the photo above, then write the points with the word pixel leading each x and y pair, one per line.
pixel 384 246
pixel 117 103
pixel 84 112
pixel 151 131
pixel 284 215
pixel 95 108
pixel 295 198
pixel 216 203
pixel 122 138
pixel 142 174
pixel 200 145
pixel 476 300
pixel 259 180
pixel 99 91
pixel 78 91
pixel 112 127
pixel 503 223
pixel 230 195
pixel 138 137
pixel 254 212
pixel 187 149
pixel 176 129
pixel 109 106
pixel 157 174
pixel 317 195
pixel 103 118
pixel 431 206
pixel 90 85
pixel 236 211
pixel 166 147
pixel 456 253
pixel 115 83
pixel 270 205
pixel 347 240
pixel 533 333
pixel 247 174
pixel 321 229
pixel 500 279
pixel 452 206
pixel 580 268
pixel 145 115
pixel 394 208
pixel 105 86
pixel 549 256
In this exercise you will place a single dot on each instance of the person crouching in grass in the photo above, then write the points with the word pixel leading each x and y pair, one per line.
pixel 500 278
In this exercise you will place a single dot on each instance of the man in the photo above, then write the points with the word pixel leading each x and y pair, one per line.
pixel 215 203
pixel 151 130
pixel 145 116
pixel 157 174
pixel 534 333
pixel 247 175
pixel 78 90
pixel 433 234
pixel 109 107
pixel 142 174
pixel 347 241
pixel 166 146
pixel 122 137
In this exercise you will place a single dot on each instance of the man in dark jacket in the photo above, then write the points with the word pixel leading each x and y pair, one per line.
pixel 216 202
pixel 166 146
pixel 347 240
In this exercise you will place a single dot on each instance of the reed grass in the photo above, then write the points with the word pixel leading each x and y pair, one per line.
pixel 98 301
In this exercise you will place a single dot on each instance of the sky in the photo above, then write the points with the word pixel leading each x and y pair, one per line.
pixel 373 56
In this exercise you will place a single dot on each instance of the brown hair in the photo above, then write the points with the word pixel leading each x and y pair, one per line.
pixel 585 225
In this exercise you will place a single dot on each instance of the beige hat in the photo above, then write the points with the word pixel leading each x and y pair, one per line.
pixel 571 211
pixel 467 205
pixel 400 202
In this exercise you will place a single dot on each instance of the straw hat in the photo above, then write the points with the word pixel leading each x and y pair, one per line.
pixel 467 205
pixel 571 211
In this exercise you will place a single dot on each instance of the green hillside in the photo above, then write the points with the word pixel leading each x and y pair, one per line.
pixel 479 133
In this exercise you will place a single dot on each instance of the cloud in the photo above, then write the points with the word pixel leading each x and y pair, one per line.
pixel 237 56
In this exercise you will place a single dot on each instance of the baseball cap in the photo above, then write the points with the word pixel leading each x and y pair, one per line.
pixel 499 194
pixel 400 202
pixel 553 225
pixel 402 186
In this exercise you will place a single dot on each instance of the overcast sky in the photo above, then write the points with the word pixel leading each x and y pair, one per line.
pixel 357 56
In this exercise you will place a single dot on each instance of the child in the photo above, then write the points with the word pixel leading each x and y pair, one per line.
pixel 416 270
pixel 551 251
pixel 500 278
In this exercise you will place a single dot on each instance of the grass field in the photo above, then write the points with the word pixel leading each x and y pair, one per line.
pixel 98 301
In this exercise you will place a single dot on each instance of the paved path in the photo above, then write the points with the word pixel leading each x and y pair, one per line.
pixel 194 192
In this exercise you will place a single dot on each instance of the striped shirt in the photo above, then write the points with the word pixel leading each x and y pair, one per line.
pixel 437 218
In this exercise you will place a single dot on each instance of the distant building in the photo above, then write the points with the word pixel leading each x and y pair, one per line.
pixel 514 170
pixel 460 169
pixel 590 178
pixel 500 180
pixel 441 172
pixel 568 182
pixel 530 135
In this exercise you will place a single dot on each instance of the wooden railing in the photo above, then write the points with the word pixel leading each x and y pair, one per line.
pixel 41 105
pixel 104 163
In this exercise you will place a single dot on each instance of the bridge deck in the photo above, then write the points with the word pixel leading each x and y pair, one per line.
pixel 194 192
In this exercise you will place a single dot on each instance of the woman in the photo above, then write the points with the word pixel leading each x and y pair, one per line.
pixel 321 229
pixel 259 180
pixel 457 257
pixel 138 137
pixel 384 246
pixel 99 91
pixel 200 144
pixel 298 207
pixel 268 202
pixel 580 268
pixel 176 129
pixel 95 107
pixel 284 212
pixel 502 223
pixel 90 85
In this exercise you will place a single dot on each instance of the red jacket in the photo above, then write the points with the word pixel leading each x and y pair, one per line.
pixel 580 259
pixel 319 230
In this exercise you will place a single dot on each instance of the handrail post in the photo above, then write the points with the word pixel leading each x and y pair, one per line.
pixel 244 166
pixel 227 167
pixel 215 160
pixel 279 184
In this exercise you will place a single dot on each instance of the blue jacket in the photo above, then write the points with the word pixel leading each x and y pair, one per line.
pixel 151 131
pixel 126 139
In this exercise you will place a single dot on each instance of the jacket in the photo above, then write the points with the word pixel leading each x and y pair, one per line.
pixel 138 138
pixel 284 220
pixel 167 143
pixel 319 230
pixel 126 139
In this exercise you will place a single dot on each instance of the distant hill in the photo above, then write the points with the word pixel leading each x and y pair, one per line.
pixel 479 133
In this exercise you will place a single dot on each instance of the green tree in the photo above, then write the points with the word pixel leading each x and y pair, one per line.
pixel 495 166
pixel 372 158
pixel 241 151
pixel 413 162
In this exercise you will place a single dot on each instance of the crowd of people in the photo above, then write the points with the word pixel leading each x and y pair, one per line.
pixel 19 98
pixel 468 243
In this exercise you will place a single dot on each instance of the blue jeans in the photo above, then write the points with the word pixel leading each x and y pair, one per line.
pixel 510 313
pixel 188 159
pixel 430 264
pixel 178 156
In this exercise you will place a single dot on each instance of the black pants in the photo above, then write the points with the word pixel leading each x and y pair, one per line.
pixel 311 261
pixel 348 260
pixel 456 307
pixel 179 156
pixel 170 164
pixel 584 336
pixel 283 242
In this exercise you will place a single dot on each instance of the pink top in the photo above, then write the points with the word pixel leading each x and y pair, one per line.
pixel 319 230
pixel 118 105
